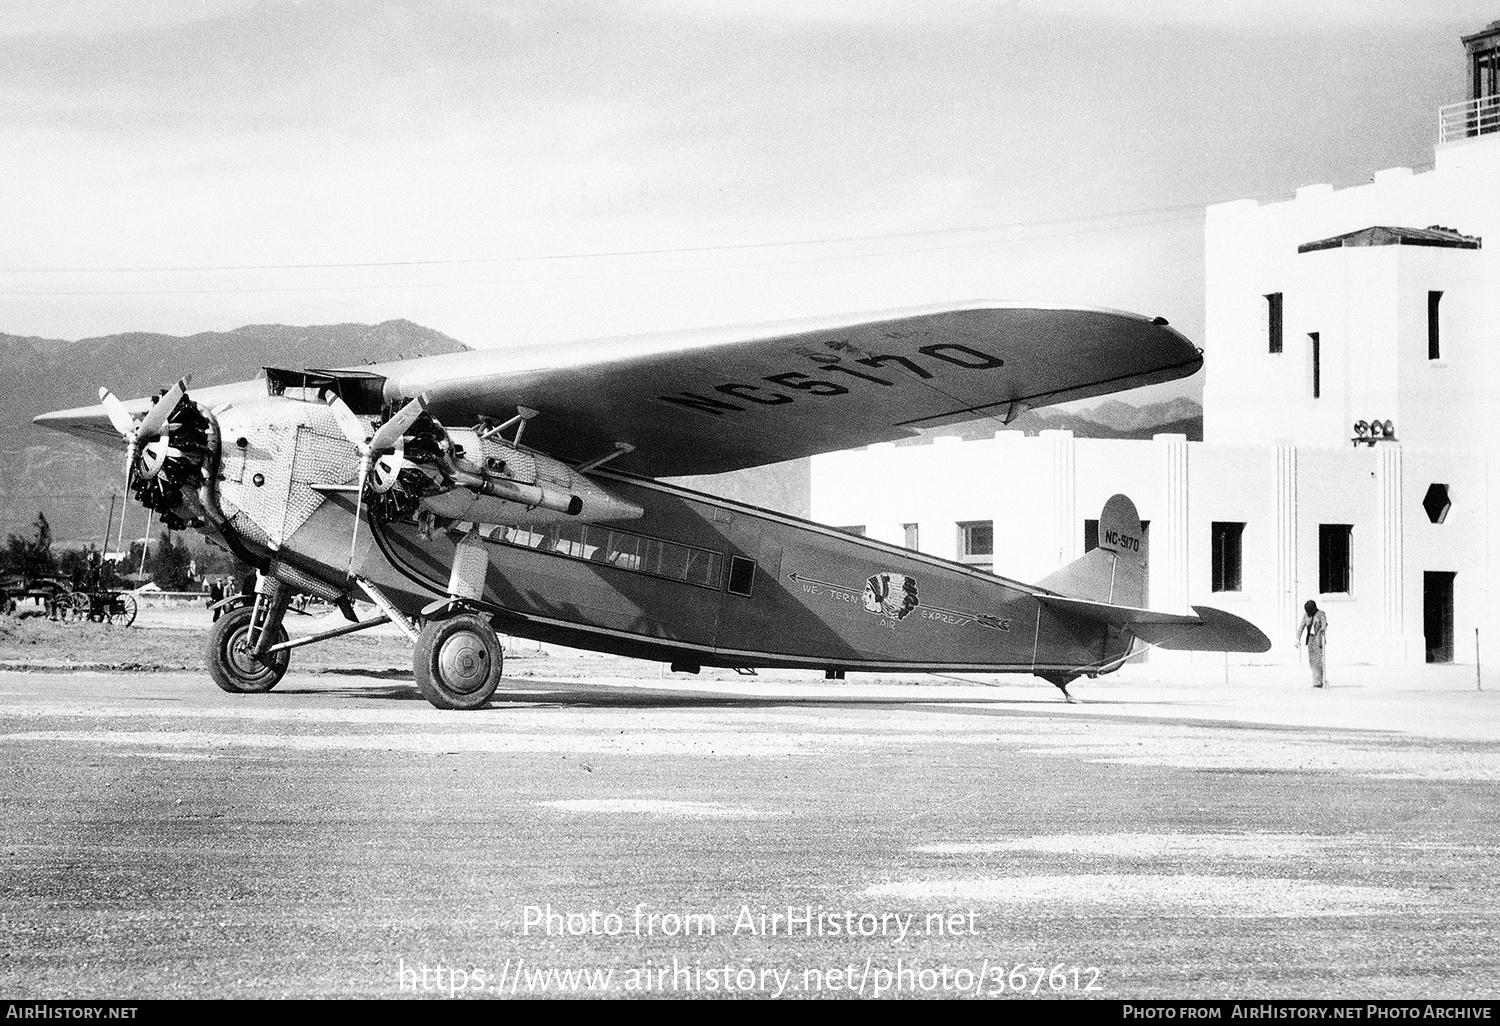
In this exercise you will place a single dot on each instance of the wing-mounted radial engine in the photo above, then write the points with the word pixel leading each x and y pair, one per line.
pixel 502 482
pixel 414 466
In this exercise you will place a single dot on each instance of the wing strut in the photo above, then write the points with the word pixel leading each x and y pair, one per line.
pixel 621 448
pixel 523 414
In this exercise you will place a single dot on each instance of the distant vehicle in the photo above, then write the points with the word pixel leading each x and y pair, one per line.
pixel 53 598
pixel 45 595
pixel 408 483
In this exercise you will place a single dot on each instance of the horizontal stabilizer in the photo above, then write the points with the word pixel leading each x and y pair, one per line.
pixel 1211 630
pixel 1218 631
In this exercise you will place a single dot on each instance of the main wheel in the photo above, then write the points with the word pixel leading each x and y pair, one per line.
pixel 458 662
pixel 123 613
pixel 230 663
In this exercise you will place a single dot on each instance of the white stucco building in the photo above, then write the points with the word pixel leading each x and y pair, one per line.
pixel 1371 303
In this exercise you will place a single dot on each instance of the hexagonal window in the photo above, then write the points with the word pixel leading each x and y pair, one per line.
pixel 1436 503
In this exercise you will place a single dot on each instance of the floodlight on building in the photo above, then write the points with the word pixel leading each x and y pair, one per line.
pixel 1372 431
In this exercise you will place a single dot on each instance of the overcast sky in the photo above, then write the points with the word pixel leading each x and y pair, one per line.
pixel 531 171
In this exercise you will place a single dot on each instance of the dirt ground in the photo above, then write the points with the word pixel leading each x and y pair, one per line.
pixel 171 640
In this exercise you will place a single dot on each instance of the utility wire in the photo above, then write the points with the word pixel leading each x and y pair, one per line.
pixel 726 247
pixel 594 275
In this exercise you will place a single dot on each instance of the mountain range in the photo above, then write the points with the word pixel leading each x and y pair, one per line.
pixel 1110 419
pixel 73 482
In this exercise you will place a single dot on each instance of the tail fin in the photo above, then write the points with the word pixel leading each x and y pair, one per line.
pixel 1115 572
pixel 1108 585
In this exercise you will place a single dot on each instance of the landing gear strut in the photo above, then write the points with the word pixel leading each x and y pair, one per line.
pixel 239 656
pixel 458 661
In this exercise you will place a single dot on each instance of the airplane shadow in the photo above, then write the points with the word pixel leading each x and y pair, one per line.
pixel 349 671
pixel 571 694
pixel 581 696
pixel 393 693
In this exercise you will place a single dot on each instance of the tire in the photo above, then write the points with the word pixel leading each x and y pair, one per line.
pixel 229 661
pixel 459 662
pixel 127 611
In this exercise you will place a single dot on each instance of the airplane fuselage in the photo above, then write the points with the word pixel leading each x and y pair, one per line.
pixel 701 581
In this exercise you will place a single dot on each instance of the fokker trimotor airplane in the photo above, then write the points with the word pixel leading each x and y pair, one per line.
pixel 408 483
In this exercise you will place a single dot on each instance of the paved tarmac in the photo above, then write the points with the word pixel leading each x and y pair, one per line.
pixel 607 832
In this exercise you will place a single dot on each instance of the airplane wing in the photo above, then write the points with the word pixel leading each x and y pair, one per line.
pixel 710 401
pixel 705 402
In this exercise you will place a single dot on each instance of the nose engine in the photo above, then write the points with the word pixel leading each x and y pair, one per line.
pixel 170 454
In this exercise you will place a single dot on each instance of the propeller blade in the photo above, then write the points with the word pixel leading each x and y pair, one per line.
pixel 157 416
pixel 118 416
pixel 391 431
pixel 352 427
pixel 359 504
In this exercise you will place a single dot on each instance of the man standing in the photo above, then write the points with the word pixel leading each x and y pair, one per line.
pixel 1314 630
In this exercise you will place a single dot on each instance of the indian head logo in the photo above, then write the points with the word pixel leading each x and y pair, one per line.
pixel 893 595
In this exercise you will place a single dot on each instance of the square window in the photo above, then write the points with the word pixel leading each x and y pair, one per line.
pixel 1335 558
pixel 1228 554
pixel 976 543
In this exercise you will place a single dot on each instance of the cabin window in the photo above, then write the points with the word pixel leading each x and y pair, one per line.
pixel 1227 553
pixel 627 552
pixel 976 544
pixel 1273 322
pixel 1335 558
pixel 1434 341
pixel 623 550
pixel 741 575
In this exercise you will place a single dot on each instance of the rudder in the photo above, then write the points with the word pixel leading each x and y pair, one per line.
pixel 1115 572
